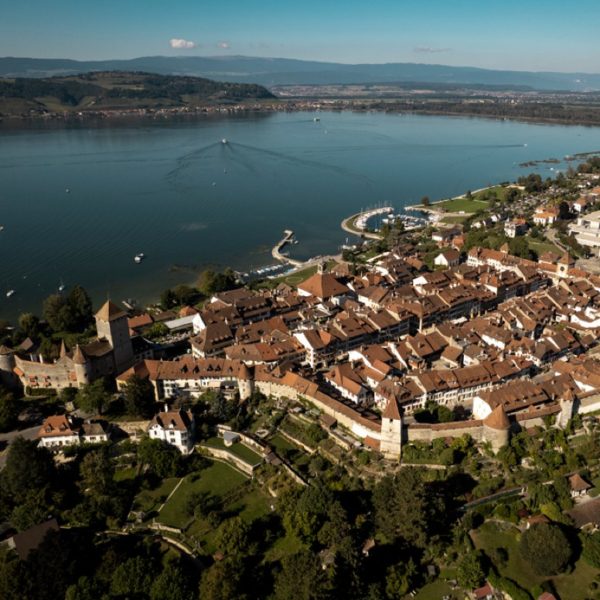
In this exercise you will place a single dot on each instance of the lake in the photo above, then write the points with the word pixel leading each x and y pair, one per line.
pixel 173 190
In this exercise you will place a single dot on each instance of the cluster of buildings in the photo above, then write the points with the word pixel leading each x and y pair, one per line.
pixel 510 340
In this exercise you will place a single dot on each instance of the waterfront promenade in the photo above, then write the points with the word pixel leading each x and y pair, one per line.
pixel 357 224
pixel 277 253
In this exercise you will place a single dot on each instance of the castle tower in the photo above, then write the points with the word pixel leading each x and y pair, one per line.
pixel 82 371
pixel 63 349
pixel 391 431
pixel 567 403
pixel 565 263
pixel 111 324
pixel 7 366
pixel 245 383
pixel 496 428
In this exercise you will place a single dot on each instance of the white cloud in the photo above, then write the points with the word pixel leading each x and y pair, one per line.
pixel 223 45
pixel 180 43
pixel 430 50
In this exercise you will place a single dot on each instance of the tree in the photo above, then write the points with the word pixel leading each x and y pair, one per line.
pixel 32 510
pixel 85 589
pixel 223 581
pixel 93 397
pixel 81 307
pixel 133 577
pixel 156 331
pixel 161 458
pixel 30 325
pixel 28 468
pixel 425 201
pixel 232 537
pixel 9 411
pixel 404 507
pixel 301 577
pixel 57 312
pixel 139 397
pixel 546 548
pixel 97 473
pixel 469 572
pixel 306 513
pixel 168 299
pixel 400 579
pixel 172 584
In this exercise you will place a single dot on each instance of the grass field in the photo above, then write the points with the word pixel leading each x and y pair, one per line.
pixel 237 449
pixel 437 590
pixel 573 586
pixel 542 246
pixel 302 275
pixel 217 480
pixel 149 500
pixel 466 205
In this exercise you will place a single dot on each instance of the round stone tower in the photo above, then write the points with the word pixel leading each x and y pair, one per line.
pixel 245 382
pixel 82 371
pixel 391 431
pixel 496 428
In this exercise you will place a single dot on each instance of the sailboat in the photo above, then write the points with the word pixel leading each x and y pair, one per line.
pixel 61 286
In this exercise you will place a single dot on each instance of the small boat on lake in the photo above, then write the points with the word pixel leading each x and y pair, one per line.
pixel 138 258
pixel 10 293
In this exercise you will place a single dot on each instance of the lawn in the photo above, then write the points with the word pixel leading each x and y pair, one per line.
pixel 238 449
pixel 543 246
pixel 466 205
pixel 149 500
pixel 437 590
pixel 571 586
pixel 217 480
pixel 297 277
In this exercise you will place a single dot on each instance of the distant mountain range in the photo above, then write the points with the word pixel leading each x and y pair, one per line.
pixel 283 71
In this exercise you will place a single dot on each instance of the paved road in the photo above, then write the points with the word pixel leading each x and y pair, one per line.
pixel 28 434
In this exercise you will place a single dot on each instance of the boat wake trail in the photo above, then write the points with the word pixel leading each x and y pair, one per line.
pixel 238 157
pixel 304 162
pixel 185 161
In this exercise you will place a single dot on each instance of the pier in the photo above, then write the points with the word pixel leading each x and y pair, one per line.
pixel 357 224
pixel 277 253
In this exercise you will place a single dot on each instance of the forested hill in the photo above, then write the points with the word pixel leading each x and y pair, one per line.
pixel 112 90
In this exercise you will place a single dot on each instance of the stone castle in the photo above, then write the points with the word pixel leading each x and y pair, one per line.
pixel 108 355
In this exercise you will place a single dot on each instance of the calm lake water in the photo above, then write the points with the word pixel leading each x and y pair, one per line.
pixel 175 192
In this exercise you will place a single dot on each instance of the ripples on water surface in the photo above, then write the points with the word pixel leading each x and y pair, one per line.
pixel 174 191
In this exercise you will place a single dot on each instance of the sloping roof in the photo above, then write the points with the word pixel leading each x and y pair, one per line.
pixel 497 419
pixel 392 411
pixel 178 420
pixel 110 311
pixel 323 285
pixel 578 483
pixel 57 425
pixel 31 538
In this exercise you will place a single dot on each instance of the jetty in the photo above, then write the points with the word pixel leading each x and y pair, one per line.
pixel 277 253
pixel 357 224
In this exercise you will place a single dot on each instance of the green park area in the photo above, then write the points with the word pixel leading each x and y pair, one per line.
pixel 462 205
pixel 238 449
pixel 148 501
pixel 570 586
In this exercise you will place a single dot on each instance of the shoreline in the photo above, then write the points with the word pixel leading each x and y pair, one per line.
pixel 108 117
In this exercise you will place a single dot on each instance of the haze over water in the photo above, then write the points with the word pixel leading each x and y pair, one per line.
pixel 173 191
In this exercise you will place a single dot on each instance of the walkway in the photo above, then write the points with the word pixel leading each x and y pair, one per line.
pixel 356 224
pixel 278 255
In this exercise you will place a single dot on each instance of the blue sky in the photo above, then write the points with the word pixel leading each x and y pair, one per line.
pixel 527 34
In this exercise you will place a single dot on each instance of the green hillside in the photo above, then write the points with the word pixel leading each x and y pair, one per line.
pixel 115 90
